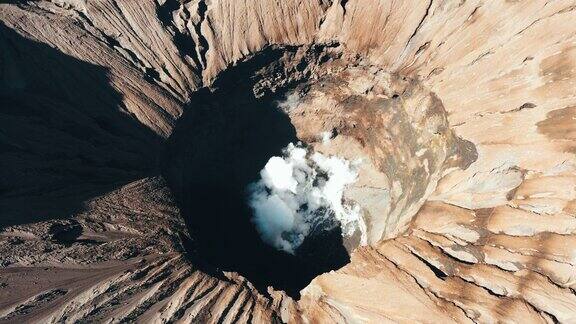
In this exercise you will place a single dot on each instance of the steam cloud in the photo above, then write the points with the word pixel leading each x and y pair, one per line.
pixel 299 194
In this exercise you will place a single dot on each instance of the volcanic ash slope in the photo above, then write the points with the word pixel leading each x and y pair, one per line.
pixel 91 92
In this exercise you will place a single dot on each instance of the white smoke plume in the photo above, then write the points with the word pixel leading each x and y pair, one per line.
pixel 291 101
pixel 301 193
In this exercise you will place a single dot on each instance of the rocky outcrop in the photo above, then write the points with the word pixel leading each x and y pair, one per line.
pixel 104 106
pixel 393 128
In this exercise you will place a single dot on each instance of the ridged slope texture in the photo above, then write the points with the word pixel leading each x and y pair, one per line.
pixel 90 91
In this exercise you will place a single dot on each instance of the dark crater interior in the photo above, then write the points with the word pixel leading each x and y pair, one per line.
pixel 66 141
pixel 223 140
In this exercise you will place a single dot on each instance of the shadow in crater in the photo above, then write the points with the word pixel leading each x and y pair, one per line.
pixel 219 146
pixel 63 136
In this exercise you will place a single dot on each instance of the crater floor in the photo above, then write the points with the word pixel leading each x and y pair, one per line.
pixel 130 129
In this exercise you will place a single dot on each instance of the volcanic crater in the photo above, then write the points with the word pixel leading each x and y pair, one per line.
pixel 133 135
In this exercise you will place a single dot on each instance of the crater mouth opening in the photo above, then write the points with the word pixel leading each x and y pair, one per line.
pixel 216 152
pixel 338 107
